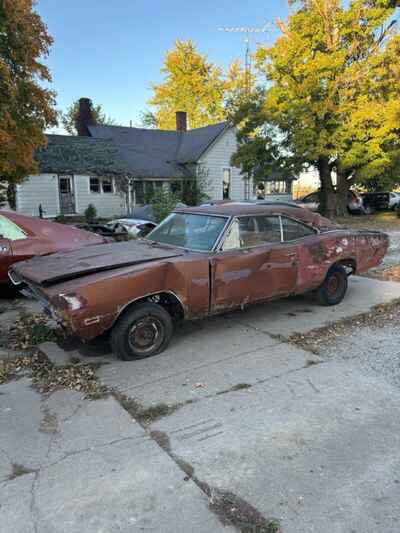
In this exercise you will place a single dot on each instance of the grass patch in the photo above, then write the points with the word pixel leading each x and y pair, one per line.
pixel 235 388
pixel 384 221
pixel 145 415
pixel 18 471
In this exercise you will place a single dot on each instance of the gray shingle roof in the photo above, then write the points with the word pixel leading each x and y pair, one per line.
pixel 66 154
pixel 159 153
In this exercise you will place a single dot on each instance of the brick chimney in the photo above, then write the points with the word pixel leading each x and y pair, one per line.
pixel 181 121
pixel 84 117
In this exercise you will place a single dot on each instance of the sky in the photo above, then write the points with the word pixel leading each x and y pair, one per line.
pixel 112 51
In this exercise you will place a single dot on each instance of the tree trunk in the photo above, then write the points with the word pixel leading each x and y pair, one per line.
pixel 342 191
pixel 327 204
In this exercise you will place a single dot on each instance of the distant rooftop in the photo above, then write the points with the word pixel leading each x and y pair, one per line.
pixel 66 154
pixel 151 153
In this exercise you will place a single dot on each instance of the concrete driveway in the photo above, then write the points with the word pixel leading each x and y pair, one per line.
pixel 273 430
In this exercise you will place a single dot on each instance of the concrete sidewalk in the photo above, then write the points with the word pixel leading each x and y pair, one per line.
pixel 313 442
pixel 69 465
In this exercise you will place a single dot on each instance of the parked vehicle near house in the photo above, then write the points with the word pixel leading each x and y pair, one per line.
pixel 354 202
pixel 135 227
pixel 380 201
pixel 394 200
pixel 22 237
pixel 199 261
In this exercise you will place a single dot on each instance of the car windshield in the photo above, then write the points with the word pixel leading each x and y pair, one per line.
pixel 193 232
pixel 9 230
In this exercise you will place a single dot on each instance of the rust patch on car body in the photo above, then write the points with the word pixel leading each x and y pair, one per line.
pixel 87 290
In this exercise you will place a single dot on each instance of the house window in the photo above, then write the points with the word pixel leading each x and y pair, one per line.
pixel 139 192
pixel 276 187
pixel 226 183
pixel 95 185
pixel 101 185
pixel 107 185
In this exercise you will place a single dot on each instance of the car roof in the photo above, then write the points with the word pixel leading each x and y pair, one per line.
pixel 242 208
pixel 253 209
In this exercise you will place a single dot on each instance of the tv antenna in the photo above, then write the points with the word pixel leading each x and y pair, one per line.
pixel 247 31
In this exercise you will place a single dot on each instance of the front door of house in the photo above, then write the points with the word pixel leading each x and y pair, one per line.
pixel 67 196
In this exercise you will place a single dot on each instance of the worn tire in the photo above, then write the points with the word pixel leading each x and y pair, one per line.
pixel 334 287
pixel 141 332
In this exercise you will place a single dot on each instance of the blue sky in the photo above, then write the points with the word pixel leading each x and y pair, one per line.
pixel 112 51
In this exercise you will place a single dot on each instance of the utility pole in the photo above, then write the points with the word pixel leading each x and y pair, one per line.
pixel 247 31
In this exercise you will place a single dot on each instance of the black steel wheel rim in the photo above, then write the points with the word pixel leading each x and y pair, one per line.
pixel 146 335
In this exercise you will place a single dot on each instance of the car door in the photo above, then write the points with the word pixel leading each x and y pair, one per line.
pixel 253 264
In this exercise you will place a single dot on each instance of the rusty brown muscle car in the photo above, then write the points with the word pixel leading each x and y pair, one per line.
pixel 199 261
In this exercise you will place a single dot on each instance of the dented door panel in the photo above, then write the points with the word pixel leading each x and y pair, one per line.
pixel 243 276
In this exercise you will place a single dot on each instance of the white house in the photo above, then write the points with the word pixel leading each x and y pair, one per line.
pixel 96 166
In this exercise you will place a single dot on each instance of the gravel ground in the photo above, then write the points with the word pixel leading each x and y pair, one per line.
pixel 375 351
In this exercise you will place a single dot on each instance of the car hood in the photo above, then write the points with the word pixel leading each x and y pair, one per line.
pixel 65 266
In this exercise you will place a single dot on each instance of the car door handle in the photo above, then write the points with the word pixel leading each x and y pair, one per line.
pixel 292 254
pixel 3 249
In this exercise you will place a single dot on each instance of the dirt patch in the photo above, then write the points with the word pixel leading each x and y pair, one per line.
pixel 386 274
pixel 237 512
pixel 49 423
pixel 19 470
pixel 230 509
pixel 379 316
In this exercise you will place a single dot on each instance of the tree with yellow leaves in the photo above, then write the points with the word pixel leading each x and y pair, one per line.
pixel 195 85
pixel 26 107
pixel 333 96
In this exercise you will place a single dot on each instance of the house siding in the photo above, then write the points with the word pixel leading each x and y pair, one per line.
pixel 212 165
pixel 43 189
pixel 38 190
pixel 107 205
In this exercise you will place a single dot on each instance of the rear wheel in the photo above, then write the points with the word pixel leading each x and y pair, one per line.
pixel 141 332
pixel 334 287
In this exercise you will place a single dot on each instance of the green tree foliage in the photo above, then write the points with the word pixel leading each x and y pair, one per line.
pixel 195 85
pixel 26 108
pixel 333 97
pixel 67 118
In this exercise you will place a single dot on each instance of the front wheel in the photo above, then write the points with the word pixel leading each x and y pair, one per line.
pixel 141 332
pixel 334 287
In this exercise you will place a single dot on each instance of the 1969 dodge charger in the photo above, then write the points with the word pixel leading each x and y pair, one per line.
pixel 199 261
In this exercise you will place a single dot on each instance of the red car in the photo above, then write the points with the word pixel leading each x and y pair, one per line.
pixel 198 262
pixel 23 237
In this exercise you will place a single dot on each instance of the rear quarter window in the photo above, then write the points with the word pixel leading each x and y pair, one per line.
pixel 292 229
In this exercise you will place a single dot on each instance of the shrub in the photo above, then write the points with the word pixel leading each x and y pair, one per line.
pixel 90 213
pixel 163 202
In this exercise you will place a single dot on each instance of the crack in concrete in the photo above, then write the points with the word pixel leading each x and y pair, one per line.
pixel 93 449
pixel 32 507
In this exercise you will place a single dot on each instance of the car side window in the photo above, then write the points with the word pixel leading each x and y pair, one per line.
pixel 311 198
pixel 255 231
pixel 293 230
